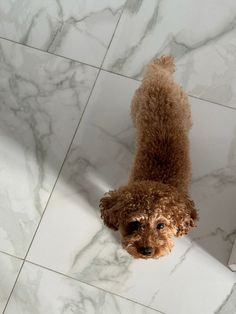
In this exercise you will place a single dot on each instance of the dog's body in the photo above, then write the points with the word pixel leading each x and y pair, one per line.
pixel 162 117
pixel 154 205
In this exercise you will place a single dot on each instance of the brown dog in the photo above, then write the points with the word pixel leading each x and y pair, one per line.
pixel 154 206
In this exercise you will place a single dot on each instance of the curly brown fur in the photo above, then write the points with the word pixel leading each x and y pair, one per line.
pixel 154 206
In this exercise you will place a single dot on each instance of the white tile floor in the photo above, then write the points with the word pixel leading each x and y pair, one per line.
pixel 71 263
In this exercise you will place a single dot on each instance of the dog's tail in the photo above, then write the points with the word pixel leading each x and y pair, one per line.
pixel 157 65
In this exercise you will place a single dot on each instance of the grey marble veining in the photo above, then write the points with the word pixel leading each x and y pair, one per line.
pixel 41 100
pixel 217 232
pixel 205 52
pixel 76 29
pixel 66 296
pixel 42 97
pixel 118 263
pixel 229 305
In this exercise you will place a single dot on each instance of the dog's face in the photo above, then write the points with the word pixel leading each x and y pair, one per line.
pixel 148 216
pixel 148 235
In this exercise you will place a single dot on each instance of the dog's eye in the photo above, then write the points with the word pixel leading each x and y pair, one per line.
pixel 160 226
pixel 133 226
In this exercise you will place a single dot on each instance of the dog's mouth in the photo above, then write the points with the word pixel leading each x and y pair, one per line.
pixel 140 255
pixel 142 252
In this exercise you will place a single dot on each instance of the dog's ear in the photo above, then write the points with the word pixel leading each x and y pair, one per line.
pixel 187 218
pixel 109 207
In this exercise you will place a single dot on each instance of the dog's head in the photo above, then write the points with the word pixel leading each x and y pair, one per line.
pixel 148 214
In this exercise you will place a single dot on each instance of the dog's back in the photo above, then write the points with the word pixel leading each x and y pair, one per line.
pixel 161 115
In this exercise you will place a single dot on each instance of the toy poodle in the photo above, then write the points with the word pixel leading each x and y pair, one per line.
pixel 154 206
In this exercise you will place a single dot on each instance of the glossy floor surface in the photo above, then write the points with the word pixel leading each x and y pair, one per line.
pixel 68 70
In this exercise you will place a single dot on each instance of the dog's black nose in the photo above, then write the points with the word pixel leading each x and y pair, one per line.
pixel 146 250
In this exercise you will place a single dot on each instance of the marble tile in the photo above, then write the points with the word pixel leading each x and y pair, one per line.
pixel 89 172
pixel 214 178
pixel 229 305
pixel 9 268
pixel 205 51
pixel 71 238
pixel 77 29
pixel 42 291
pixel 30 22
pixel 42 99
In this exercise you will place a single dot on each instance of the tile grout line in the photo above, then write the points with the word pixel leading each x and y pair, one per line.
pixel 54 185
pixel 99 68
pixel 8 299
pixel 11 255
pixel 75 133
pixel 74 279
pixel 77 127
pixel 48 52
pixel 67 153
pixel 91 285
pixel 24 260
pixel 108 47
pixel 212 102
pixel 70 59
pixel 106 70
